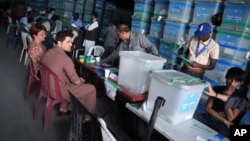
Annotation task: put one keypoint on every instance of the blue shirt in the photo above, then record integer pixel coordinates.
(77, 22)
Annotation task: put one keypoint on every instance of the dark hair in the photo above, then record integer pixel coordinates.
(52, 9)
(76, 14)
(61, 35)
(94, 14)
(236, 73)
(123, 28)
(35, 28)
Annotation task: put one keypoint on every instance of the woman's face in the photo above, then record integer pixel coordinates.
(40, 36)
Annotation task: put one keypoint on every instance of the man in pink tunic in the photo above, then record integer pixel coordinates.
(58, 61)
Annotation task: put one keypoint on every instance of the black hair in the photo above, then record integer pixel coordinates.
(236, 73)
(123, 28)
(52, 9)
(94, 14)
(61, 35)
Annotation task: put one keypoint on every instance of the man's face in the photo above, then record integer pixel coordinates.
(75, 17)
(204, 38)
(121, 35)
(232, 84)
(66, 44)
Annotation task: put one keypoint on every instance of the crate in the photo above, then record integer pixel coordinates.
(181, 92)
(223, 64)
(174, 31)
(67, 15)
(140, 25)
(236, 16)
(86, 16)
(154, 40)
(79, 7)
(166, 50)
(134, 68)
(233, 43)
(67, 5)
(156, 28)
(203, 11)
(161, 8)
(143, 9)
(179, 11)
(237, 1)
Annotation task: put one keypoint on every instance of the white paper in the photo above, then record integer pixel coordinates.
(110, 90)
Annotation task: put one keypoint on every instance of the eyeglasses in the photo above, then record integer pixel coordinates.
(42, 34)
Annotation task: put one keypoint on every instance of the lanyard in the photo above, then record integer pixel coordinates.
(197, 53)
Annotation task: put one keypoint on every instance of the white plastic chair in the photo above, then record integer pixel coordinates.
(106, 134)
(26, 62)
(58, 27)
(96, 51)
(25, 46)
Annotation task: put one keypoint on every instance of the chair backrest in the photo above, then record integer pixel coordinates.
(58, 26)
(24, 36)
(9, 20)
(96, 51)
(12, 30)
(50, 83)
(29, 39)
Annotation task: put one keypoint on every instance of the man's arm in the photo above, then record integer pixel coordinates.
(214, 113)
(210, 66)
(71, 72)
(114, 55)
(145, 43)
(92, 26)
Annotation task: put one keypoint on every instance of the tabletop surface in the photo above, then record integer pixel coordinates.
(189, 130)
(93, 68)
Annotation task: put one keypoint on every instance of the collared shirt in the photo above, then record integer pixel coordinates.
(111, 37)
(50, 16)
(211, 52)
(137, 42)
(77, 22)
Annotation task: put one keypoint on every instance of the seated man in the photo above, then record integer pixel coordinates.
(76, 21)
(131, 42)
(58, 61)
(222, 113)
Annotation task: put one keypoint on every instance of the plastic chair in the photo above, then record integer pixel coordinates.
(57, 28)
(25, 46)
(29, 40)
(31, 82)
(96, 51)
(13, 34)
(50, 89)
